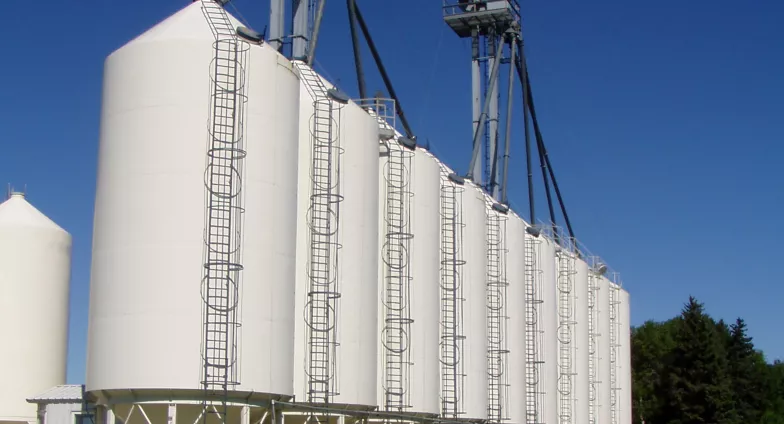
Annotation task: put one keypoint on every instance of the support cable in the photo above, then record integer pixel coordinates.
(382, 70)
(483, 117)
(523, 74)
(507, 134)
(526, 129)
(352, 19)
(492, 187)
(316, 30)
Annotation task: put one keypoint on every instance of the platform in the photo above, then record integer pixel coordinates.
(464, 15)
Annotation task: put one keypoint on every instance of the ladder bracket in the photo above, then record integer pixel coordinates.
(250, 35)
(408, 143)
(338, 96)
(501, 208)
(456, 179)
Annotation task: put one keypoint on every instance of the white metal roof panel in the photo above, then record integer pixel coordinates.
(70, 392)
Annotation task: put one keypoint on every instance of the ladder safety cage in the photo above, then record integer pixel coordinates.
(452, 262)
(323, 292)
(534, 334)
(566, 258)
(222, 253)
(497, 314)
(615, 300)
(395, 255)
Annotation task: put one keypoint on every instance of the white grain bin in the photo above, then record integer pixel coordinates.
(516, 359)
(421, 264)
(475, 305)
(463, 352)
(497, 310)
(353, 375)
(35, 269)
(603, 349)
(580, 336)
(549, 327)
(625, 374)
(145, 325)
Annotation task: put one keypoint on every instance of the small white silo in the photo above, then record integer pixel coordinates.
(35, 267)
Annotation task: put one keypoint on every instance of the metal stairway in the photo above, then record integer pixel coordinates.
(614, 346)
(223, 218)
(496, 316)
(323, 294)
(534, 390)
(397, 279)
(593, 360)
(452, 338)
(566, 271)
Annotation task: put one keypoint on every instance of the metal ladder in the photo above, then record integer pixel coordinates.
(451, 346)
(321, 308)
(566, 270)
(397, 279)
(496, 316)
(533, 334)
(223, 216)
(614, 346)
(593, 288)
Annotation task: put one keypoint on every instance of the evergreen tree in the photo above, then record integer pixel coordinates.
(696, 385)
(692, 369)
(651, 343)
(747, 381)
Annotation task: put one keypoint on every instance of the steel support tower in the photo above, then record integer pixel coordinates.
(323, 292)
(452, 338)
(565, 259)
(497, 316)
(305, 23)
(494, 29)
(222, 269)
(534, 334)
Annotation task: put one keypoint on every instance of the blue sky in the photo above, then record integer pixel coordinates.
(663, 121)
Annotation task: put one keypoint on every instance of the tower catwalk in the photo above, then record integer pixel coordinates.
(452, 373)
(322, 305)
(222, 267)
